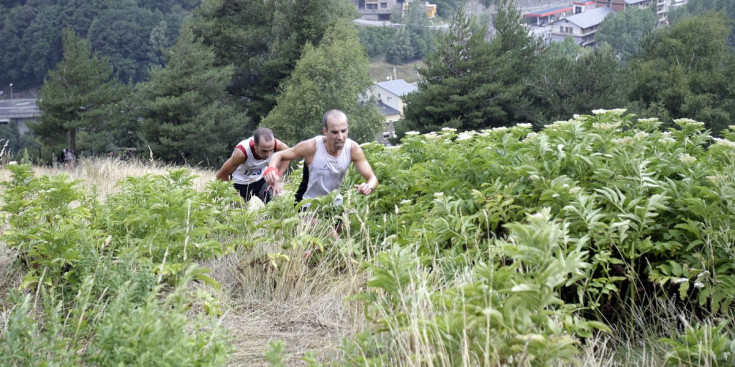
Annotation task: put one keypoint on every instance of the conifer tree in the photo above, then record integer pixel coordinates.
(333, 75)
(470, 83)
(75, 96)
(185, 115)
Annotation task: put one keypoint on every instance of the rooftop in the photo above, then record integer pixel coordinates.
(589, 18)
(549, 11)
(398, 87)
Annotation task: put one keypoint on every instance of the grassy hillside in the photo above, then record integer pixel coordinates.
(604, 240)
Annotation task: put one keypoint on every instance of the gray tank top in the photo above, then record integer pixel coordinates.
(325, 171)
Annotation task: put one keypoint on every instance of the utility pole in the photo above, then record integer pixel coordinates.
(12, 101)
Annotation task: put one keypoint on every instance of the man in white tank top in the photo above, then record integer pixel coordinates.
(326, 161)
(248, 162)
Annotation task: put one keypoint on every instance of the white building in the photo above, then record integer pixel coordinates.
(582, 27)
(389, 95)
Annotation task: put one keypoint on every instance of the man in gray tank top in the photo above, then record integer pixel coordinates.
(326, 161)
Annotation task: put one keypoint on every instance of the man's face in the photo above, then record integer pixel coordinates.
(336, 132)
(264, 149)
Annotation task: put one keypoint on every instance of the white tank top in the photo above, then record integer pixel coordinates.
(326, 172)
(252, 169)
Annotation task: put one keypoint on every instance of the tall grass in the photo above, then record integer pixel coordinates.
(303, 288)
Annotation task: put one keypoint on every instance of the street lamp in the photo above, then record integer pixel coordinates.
(12, 102)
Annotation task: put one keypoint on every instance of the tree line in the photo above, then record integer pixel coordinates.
(476, 81)
(235, 65)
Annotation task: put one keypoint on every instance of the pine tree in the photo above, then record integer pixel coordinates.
(185, 115)
(470, 83)
(333, 75)
(264, 40)
(75, 96)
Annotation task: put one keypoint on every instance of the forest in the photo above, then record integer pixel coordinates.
(175, 79)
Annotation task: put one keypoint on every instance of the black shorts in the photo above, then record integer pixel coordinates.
(257, 188)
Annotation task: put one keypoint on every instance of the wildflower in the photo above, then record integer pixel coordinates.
(615, 111)
(686, 158)
(688, 122)
(680, 280)
(524, 125)
(466, 136)
(575, 190)
(648, 120)
(698, 285)
(449, 129)
(530, 137)
(702, 274)
(624, 141)
(666, 140)
(606, 126)
(641, 135)
(12, 163)
(411, 133)
(500, 129)
(725, 142)
(405, 202)
(438, 194)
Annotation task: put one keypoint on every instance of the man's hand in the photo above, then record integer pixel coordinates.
(272, 176)
(364, 188)
(276, 188)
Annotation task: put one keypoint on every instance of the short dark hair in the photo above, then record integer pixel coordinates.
(329, 114)
(262, 133)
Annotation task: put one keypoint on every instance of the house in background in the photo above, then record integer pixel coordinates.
(581, 27)
(389, 95)
(583, 6)
(375, 9)
(543, 17)
(619, 5)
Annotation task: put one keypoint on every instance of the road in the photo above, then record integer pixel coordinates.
(17, 108)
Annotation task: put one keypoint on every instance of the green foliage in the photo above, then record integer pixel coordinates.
(625, 30)
(264, 41)
(470, 83)
(75, 97)
(569, 79)
(121, 30)
(702, 345)
(124, 36)
(153, 332)
(401, 51)
(684, 71)
(642, 199)
(702, 7)
(186, 117)
(376, 40)
(332, 75)
(508, 310)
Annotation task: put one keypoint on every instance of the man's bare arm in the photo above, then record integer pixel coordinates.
(237, 158)
(304, 149)
(363, 166)
(283, 165)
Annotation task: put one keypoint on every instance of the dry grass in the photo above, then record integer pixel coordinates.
(380, 70)
(299, 301)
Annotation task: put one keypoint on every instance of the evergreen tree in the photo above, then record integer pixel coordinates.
(686, 71)
(625, 30)
(565, 82)
(470, 83)
(401, 51)
(75, 97)
(333, 75)
(186, 117)
(264, 40)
